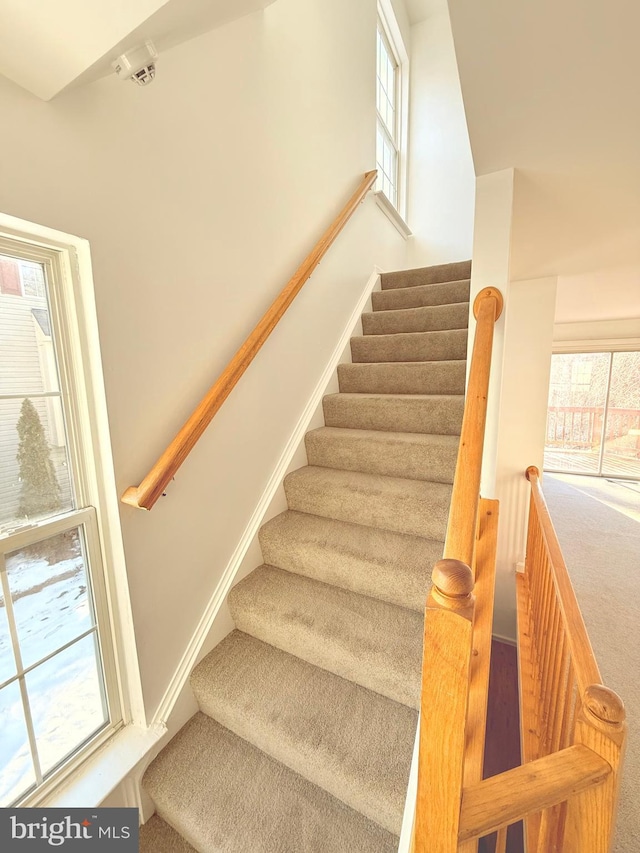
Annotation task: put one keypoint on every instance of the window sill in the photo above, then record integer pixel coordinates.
(97, 777)
(392, 214)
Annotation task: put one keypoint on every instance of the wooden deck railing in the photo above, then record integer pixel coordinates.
(457, 633)
(154, 484)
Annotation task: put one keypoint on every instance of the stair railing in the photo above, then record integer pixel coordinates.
(564, 706)
(457, 630)
(573, 728)
(155, 483)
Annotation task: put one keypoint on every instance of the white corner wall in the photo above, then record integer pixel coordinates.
(200, 195)
(441, 173)
(527, 347)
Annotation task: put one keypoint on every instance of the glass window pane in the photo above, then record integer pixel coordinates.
(49, 590)
(34, 468)
(16, 767)
(622, 441)
(27, 360)
(67, 704)
(575, 417)
(7, 658)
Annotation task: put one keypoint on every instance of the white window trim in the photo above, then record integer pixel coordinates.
(392, 214)
(72, 260)
(391, 29)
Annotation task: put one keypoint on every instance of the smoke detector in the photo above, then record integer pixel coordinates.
(137, 64)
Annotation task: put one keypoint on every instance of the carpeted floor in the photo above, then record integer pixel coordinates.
(598, 525)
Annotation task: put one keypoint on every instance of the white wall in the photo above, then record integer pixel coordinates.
(200, 195)
(528, 340)
(599, 310)
(441, 175)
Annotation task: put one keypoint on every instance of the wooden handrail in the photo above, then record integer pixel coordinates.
(508, 797)
(457, 638)
(461, 530)
(154, 484)
(583, 659)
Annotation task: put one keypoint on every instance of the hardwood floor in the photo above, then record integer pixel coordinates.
(503, 730)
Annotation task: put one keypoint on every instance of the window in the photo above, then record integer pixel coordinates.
(388, 129)
(392, 112)
(593, 418)
(59, 692)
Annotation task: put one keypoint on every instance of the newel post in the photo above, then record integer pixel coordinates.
(448, 633)
(591, 815)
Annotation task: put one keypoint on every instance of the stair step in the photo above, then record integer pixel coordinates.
(426, 275)
(432, 414)
(355, 744)
(432, 318)
(449, 345)
(156, 836)
(403, 377)
(405, 506)
(370, 642)
(393, 567)
(419, 296)
(225, 796)
(412, 455)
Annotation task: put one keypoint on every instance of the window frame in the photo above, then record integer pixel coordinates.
(67, 263)
(389, 28)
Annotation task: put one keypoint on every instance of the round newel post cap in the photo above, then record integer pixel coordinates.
(605, 704)
(532, 471)
(488, 292)
(453, 579)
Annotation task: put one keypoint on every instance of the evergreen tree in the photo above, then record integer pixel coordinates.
(40, 492)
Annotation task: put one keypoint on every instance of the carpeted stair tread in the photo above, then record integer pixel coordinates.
(447, 345)
(432, 318)
(156, 836)
(225, 796)
(403, 377)
(375, 644)
(426, 275)
(310, 705)
(394, 567)
(297, 716)
(406, 506)
(434, 414)
(414, 455)
(421, 296)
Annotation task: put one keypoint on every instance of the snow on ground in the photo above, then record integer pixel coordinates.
(65, 697)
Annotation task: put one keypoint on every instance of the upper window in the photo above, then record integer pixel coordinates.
(58, 682)
(392, 110)
(387, 101)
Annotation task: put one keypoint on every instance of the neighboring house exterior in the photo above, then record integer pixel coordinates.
(27, 370)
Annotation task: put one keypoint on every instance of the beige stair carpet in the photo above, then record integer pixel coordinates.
(308, 709)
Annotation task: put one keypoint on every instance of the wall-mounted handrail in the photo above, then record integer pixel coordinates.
(449, 706)
(154, 484)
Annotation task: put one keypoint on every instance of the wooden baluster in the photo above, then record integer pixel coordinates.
(591, 815)
(551, 674)
(559, 696)
(501, 840)
(448, 635)
(569, 712)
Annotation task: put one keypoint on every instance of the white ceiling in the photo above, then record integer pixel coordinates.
(553, 89)
(48, 45)
(420, 10)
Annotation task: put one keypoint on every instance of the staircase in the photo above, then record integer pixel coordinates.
(308, 709)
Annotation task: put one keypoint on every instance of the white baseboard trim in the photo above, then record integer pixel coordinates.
(190, 656)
